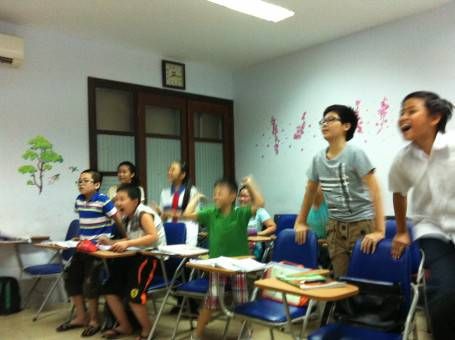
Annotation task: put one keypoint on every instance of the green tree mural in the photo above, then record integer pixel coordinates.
(41, 153)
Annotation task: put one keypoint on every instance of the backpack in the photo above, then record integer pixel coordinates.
(10, 298)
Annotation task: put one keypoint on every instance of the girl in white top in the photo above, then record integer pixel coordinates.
(126, 173)
(176, 198)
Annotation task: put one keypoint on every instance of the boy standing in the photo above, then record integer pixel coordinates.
(350, 188)
(427, 165)
(227, 228)
(82, 275)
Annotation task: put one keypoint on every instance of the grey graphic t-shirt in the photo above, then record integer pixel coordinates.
(348, 198)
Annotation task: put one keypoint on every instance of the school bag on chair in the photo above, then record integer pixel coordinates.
(10, 297)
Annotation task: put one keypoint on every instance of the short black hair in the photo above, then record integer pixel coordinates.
(96, 176)
(132, 168)
(435, 105)
(229, 182)
(347, 115)
(131, 190)
(184, 167)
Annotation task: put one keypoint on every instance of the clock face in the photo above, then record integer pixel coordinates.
(174, 75)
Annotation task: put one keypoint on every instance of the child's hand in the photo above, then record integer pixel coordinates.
(247, 180)
(399, 244)
(104, 240)
(370, 241)
(300, 233)
(120, 246)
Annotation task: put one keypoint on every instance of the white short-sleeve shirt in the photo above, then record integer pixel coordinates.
(432, 178)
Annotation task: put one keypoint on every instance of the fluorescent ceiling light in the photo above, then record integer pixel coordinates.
(257, 8)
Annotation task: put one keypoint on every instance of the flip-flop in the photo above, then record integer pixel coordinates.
(90, 331)
(114, 334)
(67, 325)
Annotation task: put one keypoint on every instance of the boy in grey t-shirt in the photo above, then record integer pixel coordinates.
(350, 188)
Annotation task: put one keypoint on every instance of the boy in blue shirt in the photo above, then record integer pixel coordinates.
(82, 275)
(350, 188)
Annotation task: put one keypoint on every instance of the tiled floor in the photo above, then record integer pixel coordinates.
(20, 327)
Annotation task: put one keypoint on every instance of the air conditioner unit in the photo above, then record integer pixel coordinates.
(11, 50)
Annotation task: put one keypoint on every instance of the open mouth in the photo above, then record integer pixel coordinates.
(405, 127)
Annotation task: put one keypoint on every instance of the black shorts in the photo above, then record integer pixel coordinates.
(130, 276)
(82, 276)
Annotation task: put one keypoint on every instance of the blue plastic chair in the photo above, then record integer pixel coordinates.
(284, 221)
(277, 314)
(383, 273)
(51, 269)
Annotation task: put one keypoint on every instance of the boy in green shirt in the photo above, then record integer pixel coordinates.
(228, 236)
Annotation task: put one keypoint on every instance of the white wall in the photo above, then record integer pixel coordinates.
(416, 53)
(48, 96)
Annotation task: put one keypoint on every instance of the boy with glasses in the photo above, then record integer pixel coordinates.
(82, 275)
(350, 188)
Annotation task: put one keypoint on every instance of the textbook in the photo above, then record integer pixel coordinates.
(229, 263)
(182, 249)
(310, 281)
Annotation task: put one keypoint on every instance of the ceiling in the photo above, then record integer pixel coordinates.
(197, 30)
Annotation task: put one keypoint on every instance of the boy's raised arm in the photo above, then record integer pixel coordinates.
(300, 226)
(190, 211)
(256, 195)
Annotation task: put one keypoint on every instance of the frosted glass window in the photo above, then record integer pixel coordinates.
(162, 120)
(113, 149)
(160, 153)
(209, 166)
(208, 126)
(114, 110)
(108, 181)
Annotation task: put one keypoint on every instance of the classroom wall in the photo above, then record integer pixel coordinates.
(278, 103)
(47, 96)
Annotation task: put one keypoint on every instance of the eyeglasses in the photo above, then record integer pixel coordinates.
(329, 120)
(83, 181)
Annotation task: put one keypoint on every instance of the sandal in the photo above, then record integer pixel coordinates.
(67, 325)
(90, 330)
(114, 334)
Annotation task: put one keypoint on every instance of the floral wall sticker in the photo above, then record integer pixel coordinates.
(383, 113)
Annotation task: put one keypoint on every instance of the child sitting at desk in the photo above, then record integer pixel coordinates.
(82, 275)
(228, 236)
(132, 275)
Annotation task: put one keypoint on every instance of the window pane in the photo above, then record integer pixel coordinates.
(208, 126)
(114, 110)
(114, 149)
(162, 120)
(108, 181)
(209, 166)
(160, 153)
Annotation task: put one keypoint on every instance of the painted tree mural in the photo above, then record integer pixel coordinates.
(42, 155)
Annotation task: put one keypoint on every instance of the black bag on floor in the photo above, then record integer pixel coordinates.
(10, 297)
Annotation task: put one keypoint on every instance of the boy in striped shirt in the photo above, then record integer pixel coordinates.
(96, 212)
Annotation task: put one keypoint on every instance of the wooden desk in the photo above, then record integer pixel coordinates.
(318, 294)
(107, 254)
(16, 243)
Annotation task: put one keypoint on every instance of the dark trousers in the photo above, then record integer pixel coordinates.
(440, 261)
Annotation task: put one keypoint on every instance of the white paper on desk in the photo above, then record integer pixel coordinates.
(108, 247)
(62, 244)
(229, 263)
(182, 249)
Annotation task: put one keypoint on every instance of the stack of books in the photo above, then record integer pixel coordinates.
(310, 280)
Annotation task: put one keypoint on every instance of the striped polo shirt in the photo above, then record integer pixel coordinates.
(95, 215)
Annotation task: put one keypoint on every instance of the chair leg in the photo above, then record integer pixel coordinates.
(28, 296)
(241, 330)
(226, 327)
(272, 336)
(179, 315)
(48, 295)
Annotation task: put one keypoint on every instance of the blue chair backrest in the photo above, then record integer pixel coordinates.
(286, 249)
(175, 232)
(391, 230)
(73, 231)
(284, 221)
(380, 266)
